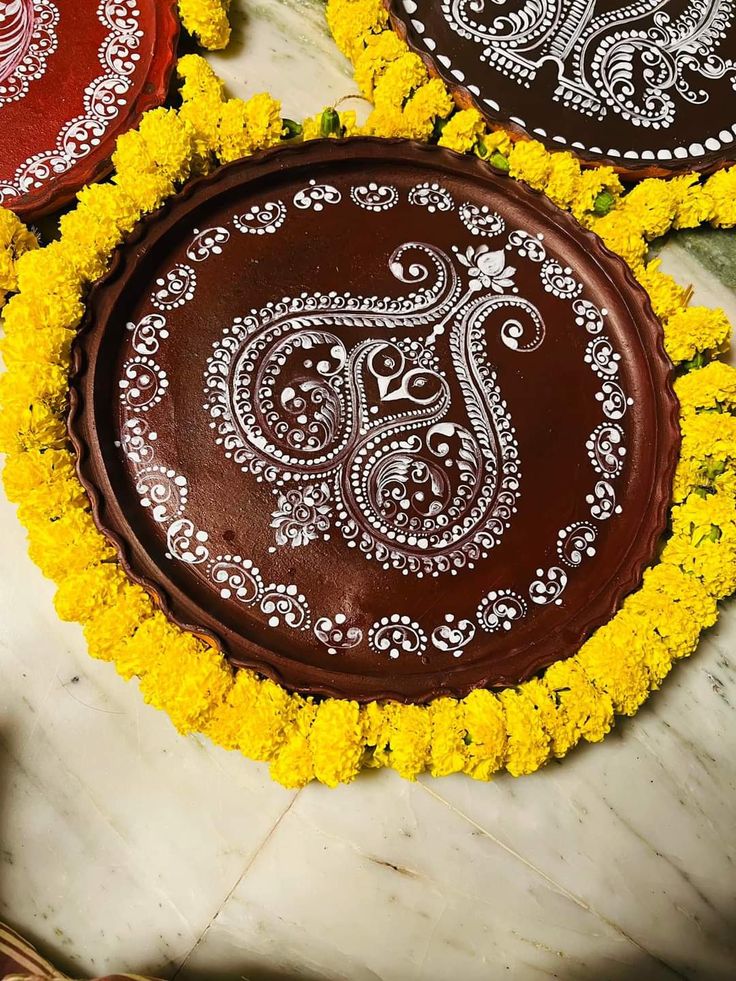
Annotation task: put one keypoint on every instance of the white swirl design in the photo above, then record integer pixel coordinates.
(337, 635)
(549, 587)
(316, 196)
(148, 334)
(207, 243)
(397, 635)
(374, 197)
(500, 610)
(103, 100)
(27, 41)
(453, 636)
(175, 289)
(261, 219)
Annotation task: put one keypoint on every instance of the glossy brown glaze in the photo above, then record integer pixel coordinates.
(645, 87)
(81, 73)
(389, 390)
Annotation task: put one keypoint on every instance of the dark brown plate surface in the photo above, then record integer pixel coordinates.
(647, 87)
(378, 420)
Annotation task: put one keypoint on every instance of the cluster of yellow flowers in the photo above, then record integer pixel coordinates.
(332, 739)
(207, 20)
(15, 239)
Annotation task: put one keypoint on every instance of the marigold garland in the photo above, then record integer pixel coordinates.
(207, 20)
(332, 739)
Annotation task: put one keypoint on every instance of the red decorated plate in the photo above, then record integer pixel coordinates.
(376, 419)
(74, 75)
(647, 87)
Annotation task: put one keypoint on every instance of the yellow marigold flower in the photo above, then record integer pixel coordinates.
(463, 130)
(380, 50)
(67, 545)
(108, 204)
(150, 190)
(198, 79)
(248, 126)
(721, 187)
(693, 203)
(268, 721)
(135, 655)
(401, 78)
(405, 739)
(29, 382)
(48, 270)
(224, 723)
(351, 20)
(430, 102)
(651, 204)
(336, 741)
(448, 748)
(666, 294)
(621, 234)
(682, 590)
(108, 629)
(372, 720)
(35, 470)
(563, 183)
(41, 347)
(30, 427)
(293, 766)
(203, 115)
(186, 679)
(497, 141)
(614, 662)
(712, 562)
(51, 501)
(168, 140)
(88, 242)
(208, 21)
(485, 724)
(696, 329)
(553, 717)
(711, 387)
(709, 440)
(528, 744)
(387, 121)
(83, 594)
(588, 712)
(593, 182)
(15, 241)
(530, 162)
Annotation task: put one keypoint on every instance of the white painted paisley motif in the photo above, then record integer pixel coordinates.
(397, 635)
(316, 196)
(337, 635)
(207, 243)
(411, 490)
(500, 610)
(261, 219)
(375, 197)
(453, 636)
(639, 60)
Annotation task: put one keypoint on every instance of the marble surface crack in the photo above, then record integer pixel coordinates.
(557, 885)
(235, 885)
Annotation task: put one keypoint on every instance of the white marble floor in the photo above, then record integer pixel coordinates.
(125, 846)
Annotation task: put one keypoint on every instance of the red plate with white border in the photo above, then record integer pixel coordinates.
(74, 75)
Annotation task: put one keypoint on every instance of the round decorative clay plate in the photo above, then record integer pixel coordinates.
(647, 87)
(74, 75)
(379, 421)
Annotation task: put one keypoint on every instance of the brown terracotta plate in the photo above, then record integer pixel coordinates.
(647, 87)
(378, 420)
(74, 75)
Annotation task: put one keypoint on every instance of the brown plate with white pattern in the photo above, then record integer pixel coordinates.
(646, 87)
(377, 420)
